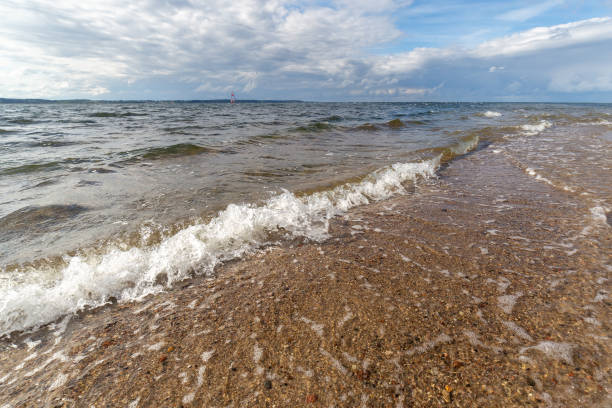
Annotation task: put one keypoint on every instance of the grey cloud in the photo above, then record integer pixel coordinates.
(65, 48)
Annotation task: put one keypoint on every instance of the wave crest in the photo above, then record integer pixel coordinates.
(130, 274)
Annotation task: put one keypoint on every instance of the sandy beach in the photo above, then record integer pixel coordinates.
(453, 295)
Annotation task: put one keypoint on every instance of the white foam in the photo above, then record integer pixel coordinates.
(492, 114)
(506, 302)
(130, 274)
(538, 177)
(156, 346)
(188, 398)
(475, 341)
(316, 327)
(348, 316)
(59, 381)
(599, 215)
(428, 345)
(335, 362)
(200, 378)
(134, 404)
(558, 351)
(518, 330)
(532, 130)
(207, 355)
(257, 353)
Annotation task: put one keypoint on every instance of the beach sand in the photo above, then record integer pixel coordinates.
(484, 287)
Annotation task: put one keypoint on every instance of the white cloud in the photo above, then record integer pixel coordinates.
(580, 78)
(526, 13)
(98, 90)
(84, 42)
(418, 91)
(373, 6)
(531, 42)
(70, 48)
(413, 60)
(542, 38)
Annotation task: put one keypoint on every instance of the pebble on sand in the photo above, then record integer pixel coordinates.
(311, 398)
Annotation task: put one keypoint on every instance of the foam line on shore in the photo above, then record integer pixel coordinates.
(131, 274)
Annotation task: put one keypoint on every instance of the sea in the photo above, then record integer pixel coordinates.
(113, 201)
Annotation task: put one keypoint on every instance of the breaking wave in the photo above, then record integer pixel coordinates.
(532, 130)
(132, 273)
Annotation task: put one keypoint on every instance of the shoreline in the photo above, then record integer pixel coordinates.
(462, 293)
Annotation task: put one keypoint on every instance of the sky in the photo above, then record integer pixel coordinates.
(334, 50)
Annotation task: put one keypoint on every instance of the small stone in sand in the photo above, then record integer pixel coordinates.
(310, 398)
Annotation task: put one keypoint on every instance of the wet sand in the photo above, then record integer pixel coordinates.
(484, 287)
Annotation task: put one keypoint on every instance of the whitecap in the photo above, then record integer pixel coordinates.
(532, 130)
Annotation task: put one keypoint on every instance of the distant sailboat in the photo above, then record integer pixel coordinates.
(233, 98)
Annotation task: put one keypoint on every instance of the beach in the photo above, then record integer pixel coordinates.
(289, 203)
(481, 286)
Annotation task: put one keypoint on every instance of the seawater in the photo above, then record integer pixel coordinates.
(120, 200)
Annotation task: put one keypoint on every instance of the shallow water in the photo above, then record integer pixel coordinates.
(121, 200)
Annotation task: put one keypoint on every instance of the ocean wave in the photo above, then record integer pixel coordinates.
(367, 127)
(183, 129)
(78, 121)
(41, 167)
(30, 168)
(491, 114)
(53, 143)
(181, 149)
(315, 127)
(275, 138)
(38, 217)
(132, 273)
(114, 114)
(603, 122)
(22, 121)
(532, 130)
(395, 124)
(165, 152)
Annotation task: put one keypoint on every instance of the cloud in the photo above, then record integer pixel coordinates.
(542, 38)
(581, 77)
(98, 90)
(275, 48)
(369, 6)
(206, 39)
(528, 42)
(529, 12)
(400, 91)
(539, 53)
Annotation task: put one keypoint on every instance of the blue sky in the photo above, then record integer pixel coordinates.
(335, 50)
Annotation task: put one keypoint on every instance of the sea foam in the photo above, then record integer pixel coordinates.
(131, 274)
(532, 130)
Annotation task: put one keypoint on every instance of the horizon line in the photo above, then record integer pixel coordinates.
(228, 100)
